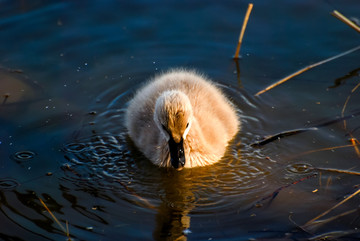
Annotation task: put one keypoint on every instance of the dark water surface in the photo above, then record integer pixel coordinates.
(69, 68)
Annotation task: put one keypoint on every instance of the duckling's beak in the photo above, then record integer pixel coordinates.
(177, 155)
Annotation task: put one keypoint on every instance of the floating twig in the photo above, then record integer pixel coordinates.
(346, 102)
(355, 144)
(277, 136)
(322, 149)
(317, 224)
(328, 183)
(66, 231)
(336, 170)
(250, 6)
(329, 210)
(346, 20)
(334, 235)
(353, 140)
(279, 82)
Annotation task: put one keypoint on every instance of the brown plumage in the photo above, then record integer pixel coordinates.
(181, 119)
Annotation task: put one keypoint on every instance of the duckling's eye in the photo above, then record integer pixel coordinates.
(187, 125)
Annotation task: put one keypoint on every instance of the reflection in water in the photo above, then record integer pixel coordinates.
(25, 210)
(103, 160)
(341, 80)
(178, 199)
(17, 89)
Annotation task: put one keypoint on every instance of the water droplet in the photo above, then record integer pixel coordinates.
(75, 147)
(23, 155)
(299, 168)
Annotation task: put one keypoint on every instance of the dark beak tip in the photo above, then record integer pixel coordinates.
(177, 155)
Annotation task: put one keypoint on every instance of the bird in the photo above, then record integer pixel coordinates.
(181, 119)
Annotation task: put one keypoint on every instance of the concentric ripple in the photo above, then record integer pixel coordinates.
(8, 184)
(109, 157)
(23, 156)
(299, 168)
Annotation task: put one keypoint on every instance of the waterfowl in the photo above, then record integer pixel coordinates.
(181, 119)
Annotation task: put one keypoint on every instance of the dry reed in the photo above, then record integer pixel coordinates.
(332, 208)
(66, 231)
(346, 102)
(279, 82)
(336, 170)
(323, 149)
(246, 19)
(317, 224)
(346, 20)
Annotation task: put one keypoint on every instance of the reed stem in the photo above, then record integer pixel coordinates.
(246, 19)
(279, 82)
(345, 20)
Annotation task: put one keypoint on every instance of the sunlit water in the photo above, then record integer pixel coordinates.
(69, 70)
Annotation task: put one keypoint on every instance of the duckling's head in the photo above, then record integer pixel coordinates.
(173, 116)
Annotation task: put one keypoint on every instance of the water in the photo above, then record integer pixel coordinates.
(70, 68)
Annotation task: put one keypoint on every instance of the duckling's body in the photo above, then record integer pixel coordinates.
(180, 119)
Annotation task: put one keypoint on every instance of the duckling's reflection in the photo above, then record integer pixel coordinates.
(178, 199)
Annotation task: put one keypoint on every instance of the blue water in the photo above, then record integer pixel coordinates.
(68, 70)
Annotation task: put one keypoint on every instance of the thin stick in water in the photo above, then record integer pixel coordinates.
(346, 20)
(322, 149)
(355, 143)
(317, 224)
(279, 82)
(55, 219)
(329, 210)
(250, 6)
(346, 102)
(336, 170)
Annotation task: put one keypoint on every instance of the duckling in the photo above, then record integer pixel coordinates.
(181, 119)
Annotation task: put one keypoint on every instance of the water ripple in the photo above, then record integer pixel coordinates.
(23, 156)
(8, 183)
(111, 160)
